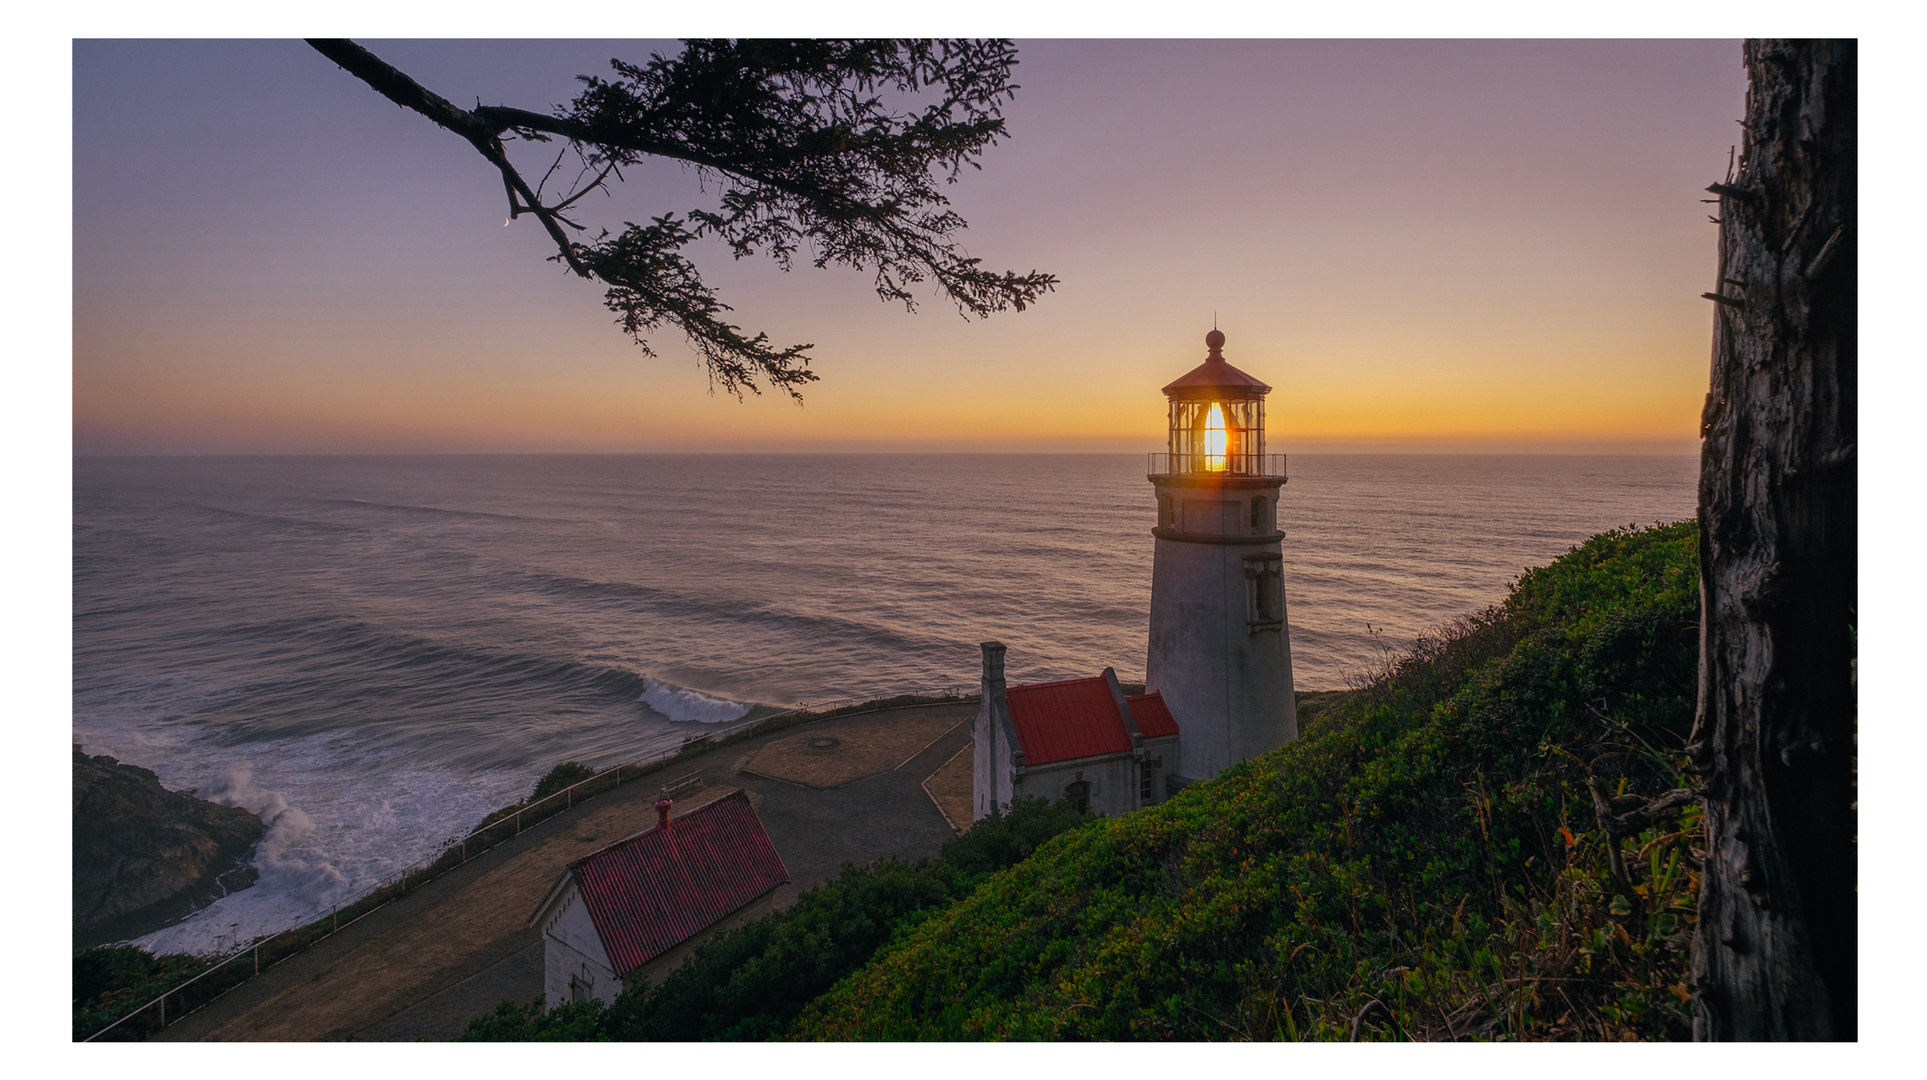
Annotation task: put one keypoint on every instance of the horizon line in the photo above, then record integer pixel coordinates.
(1356, 450)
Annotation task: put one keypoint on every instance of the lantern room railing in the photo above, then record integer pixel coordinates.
(1262, 466)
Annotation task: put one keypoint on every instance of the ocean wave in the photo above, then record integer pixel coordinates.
(680, 704)
(693, 607)
(391, 658)
(429, 511)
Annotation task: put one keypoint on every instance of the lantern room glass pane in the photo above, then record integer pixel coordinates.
(1217, 436)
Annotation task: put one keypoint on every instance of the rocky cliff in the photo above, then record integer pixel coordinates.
(145, 856)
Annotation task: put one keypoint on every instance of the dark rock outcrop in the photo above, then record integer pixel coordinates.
(145, 856)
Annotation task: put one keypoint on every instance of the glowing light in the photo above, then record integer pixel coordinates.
(1214, 441)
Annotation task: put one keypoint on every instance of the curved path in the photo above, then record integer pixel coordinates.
(847, 789)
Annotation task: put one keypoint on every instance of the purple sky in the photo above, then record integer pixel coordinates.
(1416, 242)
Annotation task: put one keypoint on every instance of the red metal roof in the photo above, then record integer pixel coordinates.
(1152, 715)
(653, 891)
(1063, 720)
(1216, 374)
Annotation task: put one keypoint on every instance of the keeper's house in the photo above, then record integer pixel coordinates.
(1082, 739)
(631, 911)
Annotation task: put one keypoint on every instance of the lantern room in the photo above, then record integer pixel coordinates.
(1217, 418)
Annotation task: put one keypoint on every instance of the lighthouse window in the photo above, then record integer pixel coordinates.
(1079, 794)
(1144, 783)
(1258, 514)
(1264, 586)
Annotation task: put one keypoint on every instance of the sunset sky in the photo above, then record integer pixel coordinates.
(1418, 244)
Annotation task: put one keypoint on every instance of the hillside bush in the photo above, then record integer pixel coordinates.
(567, 774)
(112, 980)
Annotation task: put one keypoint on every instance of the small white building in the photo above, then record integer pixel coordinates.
(631, 910)
(1082, 739)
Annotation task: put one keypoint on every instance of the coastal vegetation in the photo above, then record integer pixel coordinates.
(112, 980)
(562, 776)
(1490, 837)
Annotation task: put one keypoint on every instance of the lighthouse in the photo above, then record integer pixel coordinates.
(1220, 650)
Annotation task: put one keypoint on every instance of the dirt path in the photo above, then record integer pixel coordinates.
(953, 786)
(424, 965)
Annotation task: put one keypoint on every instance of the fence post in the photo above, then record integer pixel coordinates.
(163, 1010)
(257, 957)
(335, 913)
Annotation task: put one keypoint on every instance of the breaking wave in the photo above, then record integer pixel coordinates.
(684, 705)
(297, 882)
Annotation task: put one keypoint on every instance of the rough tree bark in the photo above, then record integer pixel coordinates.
(1774, 740)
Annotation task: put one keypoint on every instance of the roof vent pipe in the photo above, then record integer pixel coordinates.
(662, 814)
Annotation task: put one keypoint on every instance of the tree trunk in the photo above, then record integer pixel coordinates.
(1776, 950)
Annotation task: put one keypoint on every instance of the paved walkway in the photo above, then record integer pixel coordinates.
(423, 966)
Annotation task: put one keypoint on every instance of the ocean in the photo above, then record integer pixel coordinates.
(374, 652)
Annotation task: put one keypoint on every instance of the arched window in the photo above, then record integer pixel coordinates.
(1079, 793)
(1264, 590)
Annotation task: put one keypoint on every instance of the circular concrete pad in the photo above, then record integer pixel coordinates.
(858, 746)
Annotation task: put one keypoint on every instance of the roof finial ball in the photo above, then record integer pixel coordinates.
(1214, 341)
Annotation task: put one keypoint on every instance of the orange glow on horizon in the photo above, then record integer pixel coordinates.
(1543, 286)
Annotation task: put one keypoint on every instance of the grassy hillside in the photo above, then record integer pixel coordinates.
(1440, 856)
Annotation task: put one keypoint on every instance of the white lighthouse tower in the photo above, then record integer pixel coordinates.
(1220, 646)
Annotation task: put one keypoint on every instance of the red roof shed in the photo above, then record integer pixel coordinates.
(653, 891)
(1078, 718)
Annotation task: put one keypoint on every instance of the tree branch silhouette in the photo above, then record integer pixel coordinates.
(840, 148)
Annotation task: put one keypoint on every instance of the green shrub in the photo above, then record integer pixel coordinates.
(567, 774)
(113, 980)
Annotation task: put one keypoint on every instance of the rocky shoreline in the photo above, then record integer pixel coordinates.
(146, 857)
